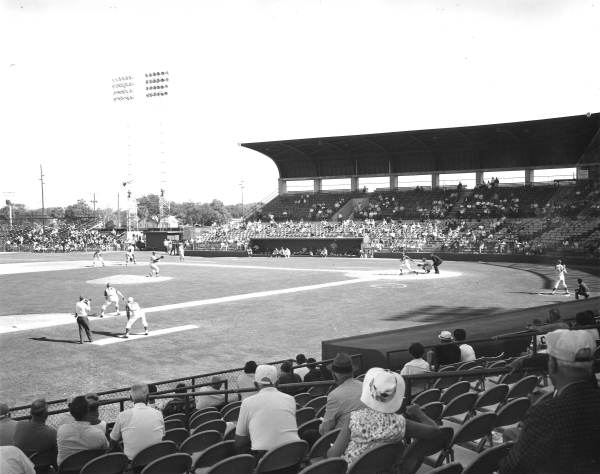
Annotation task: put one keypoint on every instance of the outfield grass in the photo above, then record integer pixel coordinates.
(49, 362)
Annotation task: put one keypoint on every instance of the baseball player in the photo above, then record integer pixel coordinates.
(98, 257)
(561, 270)
(130, 255)
(111, 296)
(154, 270)
(405, 262)
(134, 312)
(581, 290)
(181, 251)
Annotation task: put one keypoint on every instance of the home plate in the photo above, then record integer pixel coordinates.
(133, 337)
(127, 280)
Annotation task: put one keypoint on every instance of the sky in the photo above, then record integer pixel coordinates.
(258, 70)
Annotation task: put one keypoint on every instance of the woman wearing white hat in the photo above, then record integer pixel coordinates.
(379, 422)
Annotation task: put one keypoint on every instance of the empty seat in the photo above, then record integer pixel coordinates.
(177, 435)
(461, 405)
(177, 463)
(111, 463)
(491, 397)
(428, 396)
(212, 455)
(304, 414)
(454, 390)
(218, 425)
(430, 451)
(231, 405)
(149, 454)
(327, 466)
(512, 412)
(489, 460)
(433, 410)
(240, 464)
(174, 423)
(523, 387)
(200, 441)
(72, 464)
(232, 414)
(203, 418)
(282, 457)
(302, 398)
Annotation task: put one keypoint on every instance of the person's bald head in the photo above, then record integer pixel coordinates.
(139, 393)
(39, 410)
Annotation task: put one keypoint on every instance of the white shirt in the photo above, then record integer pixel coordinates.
(246, 381)
(302, 371)
(14, 461)
(206, 401)
(78, 436)
(269, 418)
(82, 308)
(140, 427)
(467, 353)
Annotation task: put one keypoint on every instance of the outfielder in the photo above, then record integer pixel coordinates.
(134, 312)
(111, 296)
(561, 270)
(154, 270)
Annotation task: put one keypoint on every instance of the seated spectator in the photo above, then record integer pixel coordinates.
(561, 434)
(378, 421)
(287, 376)
(467, 353)
(586, 318)
(7, 426)
(138, 427)
(214, 400)
(345, 397)
(444, 353)
(417, 365)
(78, 435)
(301, 371)
(314, 371)
(267, 419)
(14, 461)
(34, 435)
(554, 321)
(178, 404)
(93, 414)
(246, 380)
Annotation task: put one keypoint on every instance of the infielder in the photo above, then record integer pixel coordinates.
(98, 258)
(561, 270)
(154, 270)
(111, 296)
(134, 312)
(130, 255)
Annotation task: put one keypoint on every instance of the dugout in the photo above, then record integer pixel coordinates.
(155, 238)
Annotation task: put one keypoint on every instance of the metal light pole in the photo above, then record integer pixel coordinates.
(242, 190)
(43, 207)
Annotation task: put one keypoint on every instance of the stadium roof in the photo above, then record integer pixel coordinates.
(551, 143)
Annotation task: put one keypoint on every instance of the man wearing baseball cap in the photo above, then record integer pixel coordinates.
(446, 352)
(562, 434)
(267, 419)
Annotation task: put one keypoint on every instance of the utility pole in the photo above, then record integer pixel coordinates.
(43, 207)
(242, 189)
(119, 210)
(93, 201)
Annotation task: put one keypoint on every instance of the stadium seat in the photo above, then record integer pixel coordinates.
(149, 454)
(428, 396)
(380, 458)
(304, 414)
(177, 435)
(321, 412)
(302, 398)
(433, 410)
(489, 460)
(461, 405)
(202, 410)
(430, 451)
(442, 383)
(474, 430)
(512, 412)
(453, 391)
(493, 396)
(171, 424)
(240, 464)
(218, 425)
(543, 398)
(523, 387)
(212, 455)
(232, 414)
(177, 463)
(44, 460)
(451, 468)
(204, 417)
(176, 416)
(200, 441)
(73, 463)
(111, 463)
(327, 466)
(230, 405)
(321, 446)
(317, 403)
(282, 457)
(309, 425)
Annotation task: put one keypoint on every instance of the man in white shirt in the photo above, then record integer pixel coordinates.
(467, 353)
(301, 371)
(215, 400)
(267, 419)
(14, 461)
(140, 426)
(82, 307)
(416, 366)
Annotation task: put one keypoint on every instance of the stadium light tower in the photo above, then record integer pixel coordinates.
(8, 195)
(43, 207)
(242, 190)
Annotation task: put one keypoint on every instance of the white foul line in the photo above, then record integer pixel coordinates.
(133, 337)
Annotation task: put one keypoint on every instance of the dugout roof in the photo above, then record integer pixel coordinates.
(551, 143)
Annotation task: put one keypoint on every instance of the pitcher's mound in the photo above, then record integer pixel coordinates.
(127, 280)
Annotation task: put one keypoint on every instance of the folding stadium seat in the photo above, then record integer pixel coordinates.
(302, 398)
(471, 434)
(451, 468)
(204, 417)
(174, 423)
(460, 405)
(212, 455)
(428, 396)
(327, 466)
(232, 414)
(176, 416)
(177, 435)
(510, 414)
(240, 464)
(304, 414)
(320, 447)
(73, 463)
(198, 442)
(433, 410)
(177, 463)
(309, 425)
(454, 390)
(44, 460)
(430, 451)
(230, 405)
(111, 463)
(151, 453)
(218, 425)
(317, 403)
(380, 458)
(491, 398)
(283, 457)
(321, 412)
(489, 460)
(523, 387)
(442, 383)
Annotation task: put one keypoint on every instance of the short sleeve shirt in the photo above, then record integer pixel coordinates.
(140, 427)
(78, 436)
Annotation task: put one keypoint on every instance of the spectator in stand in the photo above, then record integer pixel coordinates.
(314, 371)
(416, 366)
(79, 435)
(178, 403)
(14, 461)
(34, 435)
(94, 414)
(138, 427)
(157, 403)
(301, 371)
(267, 419)
(345, 397)
(581, 290)
(246, 380)
(467, 353)
(586, 318)
(7, 426)
(214, 400)
(447, 352)
(288, 376)
(554, 321)
(561, 434)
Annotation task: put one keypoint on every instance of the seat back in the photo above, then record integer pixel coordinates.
(446, 382)
(454, 391)
(302, 398)
(177, 463)
(416, 452)
(309, 425)
(215, 453)
(176, 416)
(240, 464)
(171, 424)
(217, 425)
(111, 463)
(493, 395)
(304, 414)
(428, 396)
(74, 462)
(231, 405)
(523, 387)
(380, 458)
(476, 428)
(319, 449)
(149, 454)
(452, 468)
(200, 441)
(468, 365)
(44, 459)
(510, 378)
(433, 410)
(497, 364)
(204, 417)
(475, 377)
(488, 460)
(317, 403)
(321, 412)
(177, 435)
(512, 412)
(232, 414)
(284, 456)
(327, 466)
(460, 405)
